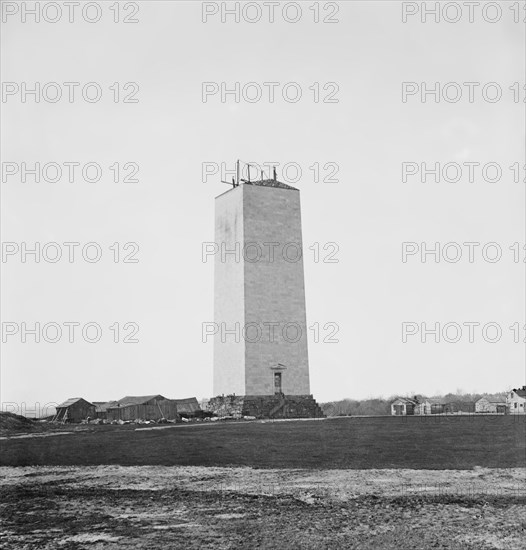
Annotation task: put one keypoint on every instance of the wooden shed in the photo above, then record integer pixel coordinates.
(144, 407)
(101, 408)
(188, 407)
(74, 409)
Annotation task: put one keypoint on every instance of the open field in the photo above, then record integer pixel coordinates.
(455, 442)
(352, 483)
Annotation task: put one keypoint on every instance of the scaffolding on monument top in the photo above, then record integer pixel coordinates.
(241, 166)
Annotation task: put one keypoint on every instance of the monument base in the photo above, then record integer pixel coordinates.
(265, 406)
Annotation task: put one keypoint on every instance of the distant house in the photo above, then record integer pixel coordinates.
(420, 405)
(428, 405)
(74, 409)
(150, 407)
(516, 401)
(417, 405)
(491, 404)
(403, 406)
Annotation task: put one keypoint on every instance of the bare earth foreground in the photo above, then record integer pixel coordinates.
(118, 500)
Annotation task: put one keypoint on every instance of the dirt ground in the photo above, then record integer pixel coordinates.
(147, 507)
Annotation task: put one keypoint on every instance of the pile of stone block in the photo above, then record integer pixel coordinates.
(265, 406)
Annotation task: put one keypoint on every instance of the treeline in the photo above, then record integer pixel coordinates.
(379, 406)
(352, 407)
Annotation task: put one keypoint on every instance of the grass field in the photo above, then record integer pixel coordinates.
(439, 442)
(355, 483)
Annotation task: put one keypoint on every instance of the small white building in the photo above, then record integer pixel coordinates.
(491, 404)
(516, 401)
(417, 405)
(403, 406)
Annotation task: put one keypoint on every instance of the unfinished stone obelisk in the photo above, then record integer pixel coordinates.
(260, 345)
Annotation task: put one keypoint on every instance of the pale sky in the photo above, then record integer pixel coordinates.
(369, 212)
